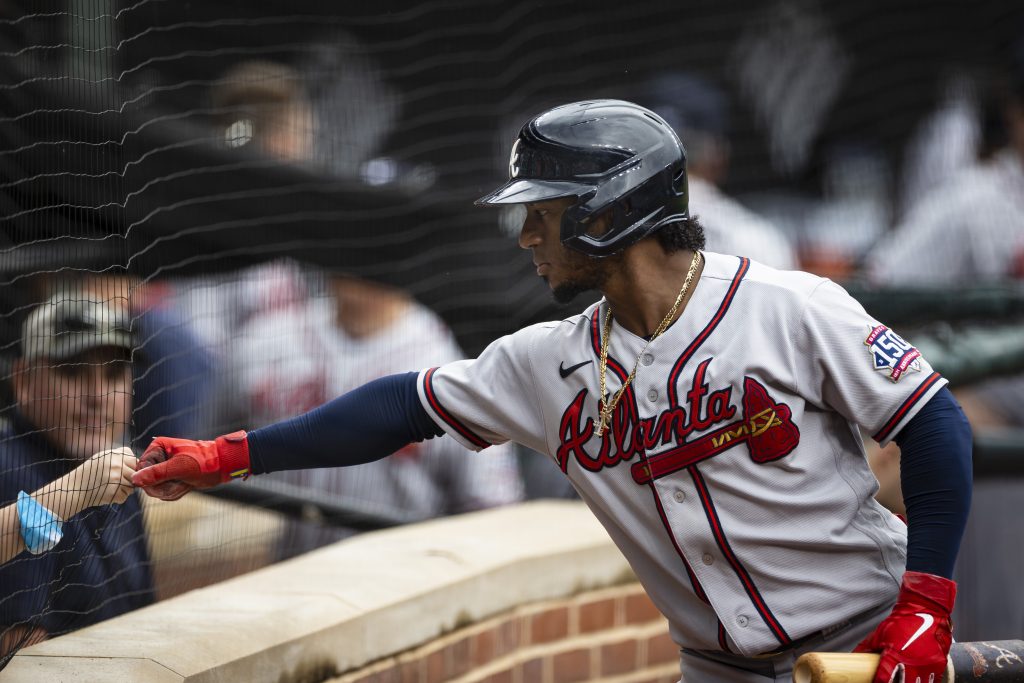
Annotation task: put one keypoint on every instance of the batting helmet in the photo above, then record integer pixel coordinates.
(609, 154)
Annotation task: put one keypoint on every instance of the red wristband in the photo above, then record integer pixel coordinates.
(233, 456)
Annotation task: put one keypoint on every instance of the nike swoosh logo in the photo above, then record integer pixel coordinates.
(565, 372)
(926, 623)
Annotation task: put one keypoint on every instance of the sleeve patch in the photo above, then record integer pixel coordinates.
(891, 354)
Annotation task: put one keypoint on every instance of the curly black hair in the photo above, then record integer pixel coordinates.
(686, 235)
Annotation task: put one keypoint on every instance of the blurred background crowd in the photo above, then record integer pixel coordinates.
(246, 209)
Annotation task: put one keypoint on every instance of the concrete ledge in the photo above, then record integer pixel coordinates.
(343, 606)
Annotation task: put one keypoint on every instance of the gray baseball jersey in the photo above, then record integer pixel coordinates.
(733, 477)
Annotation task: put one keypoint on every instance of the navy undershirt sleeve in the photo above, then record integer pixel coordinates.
(361, 426)
(936, 477)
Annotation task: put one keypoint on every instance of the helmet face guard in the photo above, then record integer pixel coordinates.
(611, 155)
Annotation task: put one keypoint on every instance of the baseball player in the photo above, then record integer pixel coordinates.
(706, 409)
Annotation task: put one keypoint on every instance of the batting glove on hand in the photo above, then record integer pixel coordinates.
(170, 468)
(915, 638)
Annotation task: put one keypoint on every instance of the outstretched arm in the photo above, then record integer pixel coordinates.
(364, 425)
(361, 426)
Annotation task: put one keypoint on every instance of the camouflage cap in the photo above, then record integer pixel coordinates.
(65, 327)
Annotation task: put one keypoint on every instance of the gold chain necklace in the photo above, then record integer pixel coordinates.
(607, 407)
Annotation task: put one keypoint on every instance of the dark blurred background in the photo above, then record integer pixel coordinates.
(107, 113)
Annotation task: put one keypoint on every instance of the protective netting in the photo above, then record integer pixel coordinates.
(233, 211)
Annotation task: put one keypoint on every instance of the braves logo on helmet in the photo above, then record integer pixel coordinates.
(513, 160)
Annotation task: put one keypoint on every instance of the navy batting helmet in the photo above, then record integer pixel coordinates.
(611, 155)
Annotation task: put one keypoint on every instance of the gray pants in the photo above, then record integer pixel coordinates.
(704, 666)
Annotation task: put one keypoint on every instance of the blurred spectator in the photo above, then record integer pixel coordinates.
(329, 114)
(172, 373)
(698, 111)
(290, 361)
(261, 106)
(72, 385)
(947, 140)
(219, 304)
(264, 104)
(174, 386)
(856, 208)
(968, 231)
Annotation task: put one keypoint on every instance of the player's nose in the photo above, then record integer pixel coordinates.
(529, 235)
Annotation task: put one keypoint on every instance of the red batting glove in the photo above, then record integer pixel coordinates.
(170, 468)
(915, 637)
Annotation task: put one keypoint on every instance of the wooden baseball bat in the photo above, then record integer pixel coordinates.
(996, 661)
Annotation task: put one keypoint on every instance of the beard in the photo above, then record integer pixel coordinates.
(589, 273)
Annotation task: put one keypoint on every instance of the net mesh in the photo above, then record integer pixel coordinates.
(277, 198)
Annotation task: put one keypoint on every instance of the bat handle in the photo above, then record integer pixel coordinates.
(844, 667)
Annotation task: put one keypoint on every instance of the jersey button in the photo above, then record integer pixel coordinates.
(652, 395)
(708, 559)
(679, 496)
(647, 359)
(742, 620)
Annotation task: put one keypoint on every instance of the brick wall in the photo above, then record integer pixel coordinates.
(612, 635)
